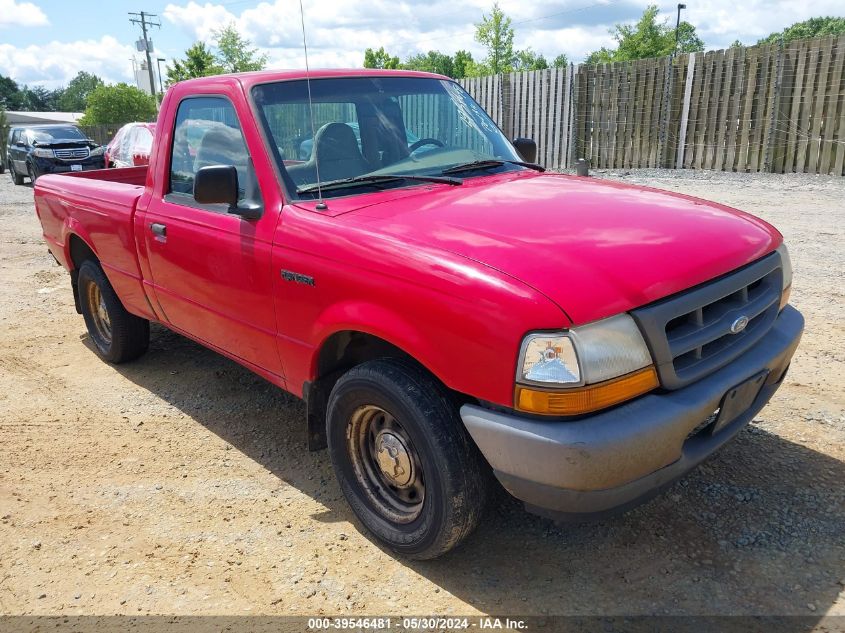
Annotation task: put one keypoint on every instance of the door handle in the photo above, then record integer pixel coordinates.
(159, 230)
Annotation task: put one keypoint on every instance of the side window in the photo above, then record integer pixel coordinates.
(207, 133)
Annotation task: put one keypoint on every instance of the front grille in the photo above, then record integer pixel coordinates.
(69, 154)
(690, 334)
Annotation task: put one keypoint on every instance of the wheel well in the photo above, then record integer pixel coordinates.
(339, 353)
(79, 253)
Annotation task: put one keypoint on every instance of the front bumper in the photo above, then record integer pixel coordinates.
(59, 166)
(614, 460)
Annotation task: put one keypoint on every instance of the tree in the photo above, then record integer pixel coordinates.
(39, 99)
(495, 33)
(118, 104)
(379, 59)
(198, 62)
(736, 44)
(235, 53)
(814, 27)
(529, 60)
(561, 61)
(647, 38)
(10, 94)
(4, 133)
(461, 62)
(75, 96)
(432, 62)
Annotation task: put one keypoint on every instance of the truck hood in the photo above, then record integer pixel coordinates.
(596, 248)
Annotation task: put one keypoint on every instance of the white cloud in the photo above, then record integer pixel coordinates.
(53, 64)
(199, 21)
(21, 14)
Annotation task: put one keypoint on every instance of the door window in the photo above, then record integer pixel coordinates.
(207, 133)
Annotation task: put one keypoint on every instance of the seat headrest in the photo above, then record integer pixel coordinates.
(336, 141)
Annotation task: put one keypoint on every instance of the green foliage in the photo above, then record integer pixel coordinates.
(460, 62)
(10, 94)
(736, 44)
(199, 62)
(75, 96)
(4, 132)
(235, 53)
(379, 59)
(456, 67)
(118, 104)
(432, 62)
(561, 61)
(647, 38)
(814, 27)
(495, 33)
(40, 99)
(529, 60)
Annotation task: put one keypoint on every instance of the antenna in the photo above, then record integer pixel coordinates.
(321, 205)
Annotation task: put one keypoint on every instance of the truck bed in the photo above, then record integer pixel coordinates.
(99, 206)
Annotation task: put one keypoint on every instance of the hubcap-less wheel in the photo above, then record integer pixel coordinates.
(99, 313)
(384, 461)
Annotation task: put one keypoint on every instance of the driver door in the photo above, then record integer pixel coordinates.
(211, 269)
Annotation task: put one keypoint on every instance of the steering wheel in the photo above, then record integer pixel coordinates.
(425, 141)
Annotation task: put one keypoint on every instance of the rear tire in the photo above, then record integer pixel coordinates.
(118, 336)
(403, 459)
(16, 177)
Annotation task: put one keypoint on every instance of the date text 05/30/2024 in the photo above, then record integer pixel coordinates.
(417, 624)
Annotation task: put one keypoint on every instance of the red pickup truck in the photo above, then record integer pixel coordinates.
(371, 242)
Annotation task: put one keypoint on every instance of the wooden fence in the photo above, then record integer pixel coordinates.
(778, 108)
(102, 134)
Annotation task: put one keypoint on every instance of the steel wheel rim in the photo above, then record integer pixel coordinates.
(99, 314)
(386, 464)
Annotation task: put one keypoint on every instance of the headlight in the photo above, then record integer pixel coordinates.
(96, 151)
(584, 369)
(786, 265)
(42, 153)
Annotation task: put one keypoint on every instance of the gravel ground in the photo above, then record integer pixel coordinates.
(180, 483)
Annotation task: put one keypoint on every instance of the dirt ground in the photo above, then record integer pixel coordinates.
(180, 484)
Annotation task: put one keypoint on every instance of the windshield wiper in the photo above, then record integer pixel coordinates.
(488, 163)
(375, 179)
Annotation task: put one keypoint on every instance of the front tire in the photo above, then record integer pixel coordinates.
(403, 459)
(118, 336)
(33, 175)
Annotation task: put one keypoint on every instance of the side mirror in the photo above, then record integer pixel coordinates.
(217, 184)
(527, 148)
(20, 143)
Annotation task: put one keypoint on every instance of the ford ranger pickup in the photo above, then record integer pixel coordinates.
(451, 314)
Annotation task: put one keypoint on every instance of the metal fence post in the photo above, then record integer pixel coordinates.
(682, 133)
(664, 112)
(775, 113)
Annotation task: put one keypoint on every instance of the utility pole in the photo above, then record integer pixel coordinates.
(144, 20)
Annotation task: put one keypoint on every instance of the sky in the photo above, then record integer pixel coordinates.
(46, 42)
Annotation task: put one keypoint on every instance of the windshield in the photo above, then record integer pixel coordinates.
(376, 126)
(46, 134)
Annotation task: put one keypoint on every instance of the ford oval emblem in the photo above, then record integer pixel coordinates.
(739, 325)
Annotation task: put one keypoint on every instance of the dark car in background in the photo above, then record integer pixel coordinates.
(131, 146)
(34, 150)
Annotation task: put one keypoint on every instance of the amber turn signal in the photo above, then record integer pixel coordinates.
(586, 399)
